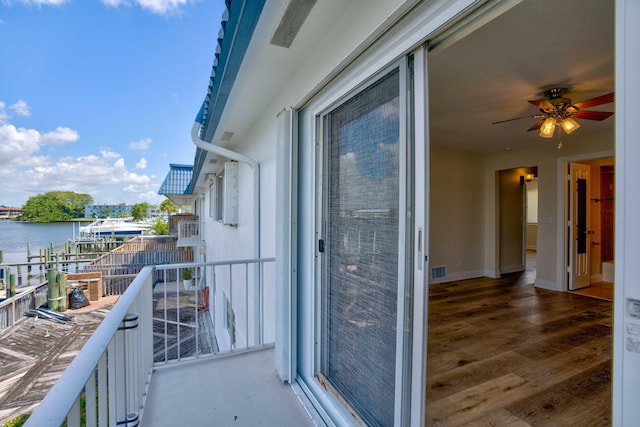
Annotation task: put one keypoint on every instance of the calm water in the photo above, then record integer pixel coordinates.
(14, 237)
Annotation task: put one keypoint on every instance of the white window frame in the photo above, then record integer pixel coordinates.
(223, 194)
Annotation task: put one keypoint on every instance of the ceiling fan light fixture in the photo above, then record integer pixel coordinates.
(569, 125)
(548, 127)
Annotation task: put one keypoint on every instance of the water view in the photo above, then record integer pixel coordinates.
(14, 237)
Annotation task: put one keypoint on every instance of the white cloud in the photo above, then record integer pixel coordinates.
(25, 170)
(160, 7)
(108, 153)
(62, 135)
(84, 174)
(132, 188)
(142, 144)
(21, 108)
(151, 197)
(122, 176)
(142, 163)
(17, 143)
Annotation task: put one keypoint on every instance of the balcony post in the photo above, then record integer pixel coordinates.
(125, 372)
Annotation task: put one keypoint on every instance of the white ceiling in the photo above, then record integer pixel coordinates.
(490, 74)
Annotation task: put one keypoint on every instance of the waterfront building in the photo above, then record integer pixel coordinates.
(104, 211)
(7, 212)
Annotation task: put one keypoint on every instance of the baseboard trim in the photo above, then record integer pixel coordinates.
(494, 274)
(547, 284)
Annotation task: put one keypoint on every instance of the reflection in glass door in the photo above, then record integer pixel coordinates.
(363, 220)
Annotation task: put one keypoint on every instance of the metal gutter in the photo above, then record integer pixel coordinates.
(255, 167)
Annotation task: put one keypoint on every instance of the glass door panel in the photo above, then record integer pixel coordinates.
(362, 223)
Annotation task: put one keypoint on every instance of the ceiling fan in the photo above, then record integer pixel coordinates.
(559, 110)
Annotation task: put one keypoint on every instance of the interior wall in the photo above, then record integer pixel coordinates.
(456, 231)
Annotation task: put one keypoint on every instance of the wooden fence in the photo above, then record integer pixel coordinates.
(121, 265)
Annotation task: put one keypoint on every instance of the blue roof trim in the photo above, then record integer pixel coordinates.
(178, 180)
(239, 21)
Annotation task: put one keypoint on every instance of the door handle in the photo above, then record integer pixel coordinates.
(420, 261)
(594, 244)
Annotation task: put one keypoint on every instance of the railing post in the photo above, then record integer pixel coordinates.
(125, 372)
(102, 391)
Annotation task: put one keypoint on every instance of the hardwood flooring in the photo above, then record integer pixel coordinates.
(602, 290)
(504, 353)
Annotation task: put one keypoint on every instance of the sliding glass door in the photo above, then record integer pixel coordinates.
(366, 246)
(362, 228)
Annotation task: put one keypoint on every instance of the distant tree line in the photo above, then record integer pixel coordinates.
(66, 205)
(55, 206)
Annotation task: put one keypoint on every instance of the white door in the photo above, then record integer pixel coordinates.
(579, 241)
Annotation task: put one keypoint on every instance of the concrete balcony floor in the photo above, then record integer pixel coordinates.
(236, 390)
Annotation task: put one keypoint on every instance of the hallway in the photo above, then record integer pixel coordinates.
(502, 352)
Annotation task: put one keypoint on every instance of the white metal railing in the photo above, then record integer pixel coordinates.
(30, 297)
(111, 374)
(227, 307)
(189, 233)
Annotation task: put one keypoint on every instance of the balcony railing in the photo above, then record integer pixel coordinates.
(225, 307)
(189, 233)
(12, 309)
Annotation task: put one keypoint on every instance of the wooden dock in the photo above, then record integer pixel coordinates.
(33, 355)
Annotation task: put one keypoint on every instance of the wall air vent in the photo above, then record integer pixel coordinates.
(294, 16)
(439, 272)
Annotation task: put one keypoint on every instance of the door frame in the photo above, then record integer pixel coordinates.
(563, 211)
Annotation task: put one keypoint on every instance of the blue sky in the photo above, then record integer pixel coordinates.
(98, 96)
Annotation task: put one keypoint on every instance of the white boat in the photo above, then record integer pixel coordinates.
(114, 227)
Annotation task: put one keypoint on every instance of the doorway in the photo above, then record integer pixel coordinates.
(597, 239)
(518, 221)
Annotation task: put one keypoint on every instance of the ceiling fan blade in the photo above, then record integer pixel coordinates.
(535, 116)
(536, 126)
(543, 104)
(604, 99)
(592, 115)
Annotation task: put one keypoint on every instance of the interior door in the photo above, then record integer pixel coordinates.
(579, 241)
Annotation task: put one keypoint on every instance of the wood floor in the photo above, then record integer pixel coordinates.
(503, 353)
(602, 290)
